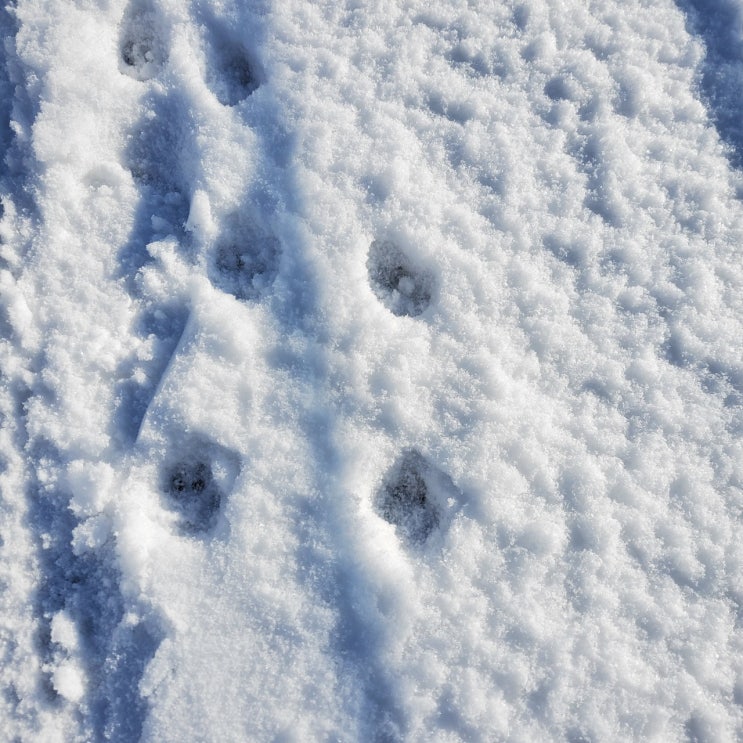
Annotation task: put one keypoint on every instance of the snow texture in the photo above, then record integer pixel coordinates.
(371, 371)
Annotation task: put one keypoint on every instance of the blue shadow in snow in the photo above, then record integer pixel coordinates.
(719, 23)
(166, 324)
(17, 110)
(86, 586)
(7, 29)
(153, 156)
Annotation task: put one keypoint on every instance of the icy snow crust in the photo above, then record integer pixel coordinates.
(371, 371)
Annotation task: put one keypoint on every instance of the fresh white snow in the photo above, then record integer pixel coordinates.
(371, 371)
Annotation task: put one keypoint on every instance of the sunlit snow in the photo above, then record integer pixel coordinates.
(371, 371)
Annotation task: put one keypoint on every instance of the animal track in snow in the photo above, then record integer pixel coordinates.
(196, 481)
(142, 46)
(192, 491)
(414, 496)
(230, 73)
(245, 263)
(401, 286)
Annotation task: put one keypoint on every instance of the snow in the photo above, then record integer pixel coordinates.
(371, 371)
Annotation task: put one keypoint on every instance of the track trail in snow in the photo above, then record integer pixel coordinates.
(370, 372)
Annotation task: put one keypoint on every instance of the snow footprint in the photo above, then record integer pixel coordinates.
(195, 482)
(245, 262)
(415, 497)
(402, 287)
(142, 45)
(193, 494)
(230, 72)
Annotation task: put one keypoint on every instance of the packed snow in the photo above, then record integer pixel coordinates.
(371, 371)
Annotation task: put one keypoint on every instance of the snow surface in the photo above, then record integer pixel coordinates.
(371, 371)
